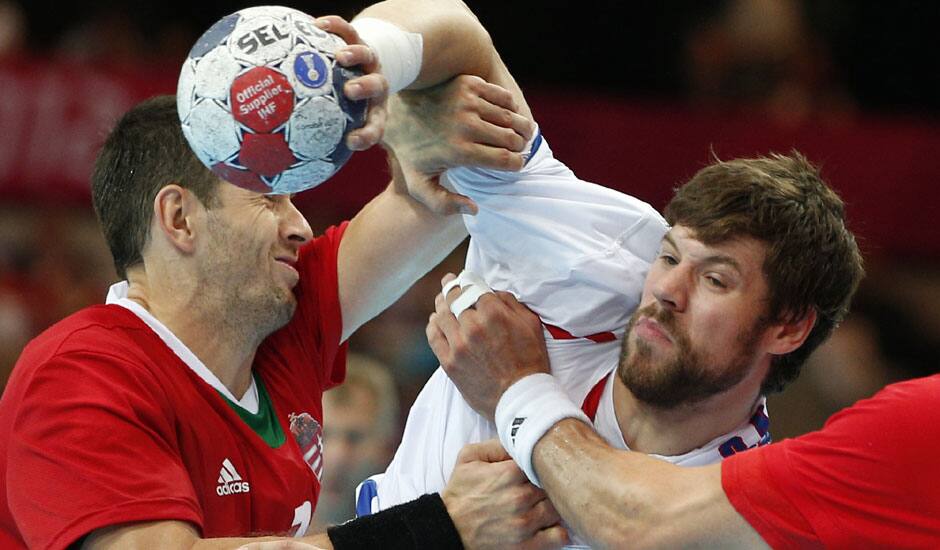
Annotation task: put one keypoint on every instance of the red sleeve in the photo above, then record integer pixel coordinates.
(317, 325)
(101, 453)
(868, 478)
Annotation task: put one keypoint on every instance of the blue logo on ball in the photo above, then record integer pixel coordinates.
(311, 69)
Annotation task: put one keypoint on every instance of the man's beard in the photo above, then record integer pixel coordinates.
(687, 378)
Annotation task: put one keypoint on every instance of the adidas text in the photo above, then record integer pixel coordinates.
(232, 488)
(230, 482)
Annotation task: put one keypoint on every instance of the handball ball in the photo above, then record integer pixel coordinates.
(261, 101)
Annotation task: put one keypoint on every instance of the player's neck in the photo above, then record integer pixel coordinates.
(222, 347)
(671, 432)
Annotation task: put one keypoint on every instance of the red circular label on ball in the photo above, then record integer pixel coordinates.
(262, 99)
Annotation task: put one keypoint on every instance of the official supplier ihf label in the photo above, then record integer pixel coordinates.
(262, 99)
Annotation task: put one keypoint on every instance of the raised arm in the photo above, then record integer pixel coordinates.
(396, 238)
(454, 42)
(390, 244)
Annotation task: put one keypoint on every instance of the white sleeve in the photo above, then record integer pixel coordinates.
(575, 252)
(440, 423)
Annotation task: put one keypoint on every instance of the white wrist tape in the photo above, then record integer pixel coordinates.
(398, 50)
(527, 410)
(473, 287)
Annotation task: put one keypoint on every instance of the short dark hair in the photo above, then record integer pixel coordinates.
(812, 262)
(144, 152)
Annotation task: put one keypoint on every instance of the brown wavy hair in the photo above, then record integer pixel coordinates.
(812, 260)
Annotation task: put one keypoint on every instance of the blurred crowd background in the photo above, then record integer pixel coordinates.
(634, 95)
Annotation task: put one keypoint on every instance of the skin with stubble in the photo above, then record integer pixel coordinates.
(257, 270)
(687, 377)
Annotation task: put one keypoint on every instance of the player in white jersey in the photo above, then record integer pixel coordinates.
(577, 255)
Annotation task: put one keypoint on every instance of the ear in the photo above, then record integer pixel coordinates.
(175, 210)
(786, 337)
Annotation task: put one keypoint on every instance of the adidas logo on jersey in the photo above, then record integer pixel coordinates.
(229, 480)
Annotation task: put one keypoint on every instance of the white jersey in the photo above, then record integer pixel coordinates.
(576, 254)
(750, 433)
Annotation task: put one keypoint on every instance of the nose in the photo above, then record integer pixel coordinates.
(294, 225)
(671, 288)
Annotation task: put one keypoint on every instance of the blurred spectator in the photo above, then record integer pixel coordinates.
(762, 56)
(849, 366)
(15, 329)
(360, 433)
(883, 340)
(52, 263)
(12, 28)
(105, 36)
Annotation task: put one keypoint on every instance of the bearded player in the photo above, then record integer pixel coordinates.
(736, 288)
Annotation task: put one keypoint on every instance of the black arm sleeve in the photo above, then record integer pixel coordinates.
(422, 523)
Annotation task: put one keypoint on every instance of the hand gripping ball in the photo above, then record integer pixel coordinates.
(260, 99)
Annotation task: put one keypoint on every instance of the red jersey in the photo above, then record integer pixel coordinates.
(868, 479)
(102, 423)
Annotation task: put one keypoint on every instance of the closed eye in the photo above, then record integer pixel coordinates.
(270, 200)
(715, 281)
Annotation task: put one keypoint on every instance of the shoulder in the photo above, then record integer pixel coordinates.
(321, 253)
(897, 426)
(326, 241)
(93, 341)
(914, 392)
(93, 328)
(908, 405)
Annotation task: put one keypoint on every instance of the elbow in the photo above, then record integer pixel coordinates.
(469, 41)
(640, 523)
(632, 535)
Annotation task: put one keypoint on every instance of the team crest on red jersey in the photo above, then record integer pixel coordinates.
(308, 434)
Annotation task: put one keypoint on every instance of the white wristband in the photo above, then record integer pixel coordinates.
(399, 51)
(527, 410)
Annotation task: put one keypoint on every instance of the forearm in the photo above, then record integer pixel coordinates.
(617, 498)
(178, 534)
(321, 541)
(388, 246)
(454, 40)
(421, 523)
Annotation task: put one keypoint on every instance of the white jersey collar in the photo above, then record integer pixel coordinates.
(607, 427)
(117, 295)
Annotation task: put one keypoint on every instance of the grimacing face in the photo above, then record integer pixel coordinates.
(250, 258)
(700, 322)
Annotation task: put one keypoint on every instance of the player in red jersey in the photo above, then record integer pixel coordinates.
(867, 479)
(189, 406)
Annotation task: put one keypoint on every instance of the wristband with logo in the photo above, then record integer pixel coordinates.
(527, 410)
